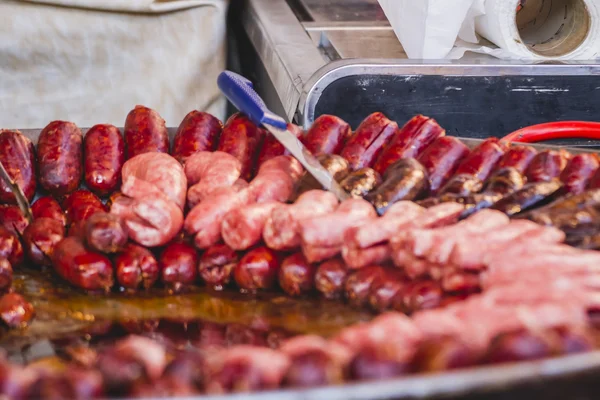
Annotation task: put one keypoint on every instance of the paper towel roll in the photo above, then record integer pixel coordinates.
(542, 29)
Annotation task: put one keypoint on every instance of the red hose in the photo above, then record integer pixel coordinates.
(556, 130)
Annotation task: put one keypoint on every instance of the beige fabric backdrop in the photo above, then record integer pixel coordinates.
(79, 63)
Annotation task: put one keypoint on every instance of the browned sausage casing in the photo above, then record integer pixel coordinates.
(547, 165)
(441, 160)
(60, 158)
(81, 267)
(242, 139)
(217, 264)
(10, 247)
(48, 207)
(518, 157)
(579, 172)
(199, 131)
(40, 238)
(136, 266)
(327, 135)
(179, 265)
(336, 165)
(360, 183)
(17, 154)
(257, 269)
(81, 205)
(103, 156)
(358, 284)
(297, 275)
(145, 132)
(330, 278)
(105, 233)
(369, 140)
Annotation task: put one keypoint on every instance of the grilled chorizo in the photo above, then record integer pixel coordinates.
(48, 207)
(135, 266)
(103, 158)
(327, 135)
(242, 139)
(40, 238)
(145, 132)
(17, 154)
(199, 131)
(258, 269)
(217, 264)
(179, 265)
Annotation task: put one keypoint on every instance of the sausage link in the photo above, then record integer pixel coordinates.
(6, 275)
(10, 247)
(40, 238)
(179, 265)
(80, 205)
(417, 296)
(445, 354)
(358, 284)
(145, 132)
(258, 269)
(136, 266)
(528, 197)
(327, 135)
(297, 275)
(518, 157)
(103, 158)
(373, 363)
(369, 140)
(271, 148)
(15, 311)
(442, 159)
(547, 165)
(579, 172)
(336, 165)
(81, 267)
(385, 287)
(105, 233)
(17, 154)
(242, 139)
(48, 207)
(330, 278)
(13, 219)
(60, 159)
(217, 264)
(505, 181)
(409, 142)
(520, 346)
(199, 131)
(361, 182)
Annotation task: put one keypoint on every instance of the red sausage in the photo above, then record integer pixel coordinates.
(217, 264)
(369, 140)
(105, 233)
(17, 154)
(482, 160)
(441, 160)
(417, 296)
(199, 131)
(327, 135)
(13, 219)
(358, 284)
(547, 165)
(594, 182)
(271, 148)
(297, 275)
(48, 207)
(179, 265)
(81, 205)
(81, 267)
(6, 275)
(242, 139)
(409, 142)
(518, 157)
(40, 238)
(330, 278)
(257, 269)
(15, 311)
(145, 132)
(103, 158)
(60, 160)
(10, 247)
(136, 266)
(579, 172)
(385, 288)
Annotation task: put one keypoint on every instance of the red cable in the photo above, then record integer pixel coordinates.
(556, 130)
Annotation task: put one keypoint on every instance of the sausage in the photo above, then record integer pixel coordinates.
(405, 180)
(243, 227)
(145, 132)
(271, 147)
(519, 346)
(6, 275)
(518, 157)
(580, 169)
(417, 296)
(337, 166)
(17, 154)
(242, 139)
(595, 181)
(10, 247)
(410, 142)
(105, 233)
(358, 284)
(441, 160)
(369, 140)
(80, 205)
(547, 165)
(48, 207)
(15, 311)
(574, 339)
(103, 158)
(375, 363)
(330, 278)
(199, 131)
(532, 195)
(385, 287)
(179, 265)
(361, 182)
(313, 368)
(297, 275)
(327, 135)
(136, 266)
(13, 219)
(445, 354)
(505, 181)
(258, 269)
(40, 238)
(81, 267)
(60, 159)
(217, 264)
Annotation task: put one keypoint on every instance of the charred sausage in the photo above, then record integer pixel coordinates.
(360, 183)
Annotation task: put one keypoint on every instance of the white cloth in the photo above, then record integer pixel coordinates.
(92, 61)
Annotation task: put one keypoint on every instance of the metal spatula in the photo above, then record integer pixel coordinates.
(241, 94)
